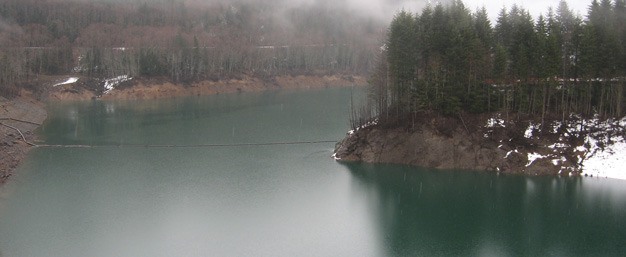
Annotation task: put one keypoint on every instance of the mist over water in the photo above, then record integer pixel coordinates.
(278, 200)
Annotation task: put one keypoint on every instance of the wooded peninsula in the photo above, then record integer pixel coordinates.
(451, 90)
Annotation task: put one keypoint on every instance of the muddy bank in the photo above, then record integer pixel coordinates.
(19, 117)
(157, 88)
(485, 143)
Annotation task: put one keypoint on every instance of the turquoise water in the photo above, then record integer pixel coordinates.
(277, 200)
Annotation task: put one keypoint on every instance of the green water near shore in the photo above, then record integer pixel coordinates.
(277, 200)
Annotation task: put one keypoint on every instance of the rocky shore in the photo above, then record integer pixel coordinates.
(491, 143)
(19, 117)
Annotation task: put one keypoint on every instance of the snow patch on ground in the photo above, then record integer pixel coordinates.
(604, 156)
(610, 162)
(371, 123)
(110, 84)
(557, 162)
(529, 131)
(351, 132)
(532, 157)
(558, 146)
(603, 153)
(556, 126)
(495, 122)
(510, 152)
(71, 80)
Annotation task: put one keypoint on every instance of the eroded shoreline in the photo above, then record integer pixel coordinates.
(19, 118)
(574, 147)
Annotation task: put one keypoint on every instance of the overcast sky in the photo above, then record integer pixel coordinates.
(535, 7)
(385, 9)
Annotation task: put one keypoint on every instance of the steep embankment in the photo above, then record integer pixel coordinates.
(514, 147)
(19, 117)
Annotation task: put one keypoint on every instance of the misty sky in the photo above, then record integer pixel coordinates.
(387, 8)
(535, 7)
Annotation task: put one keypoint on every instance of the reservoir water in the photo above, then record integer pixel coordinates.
(238, 199)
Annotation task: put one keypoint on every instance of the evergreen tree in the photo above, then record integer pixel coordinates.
(402, 57)
(620, 27)
(448, 60)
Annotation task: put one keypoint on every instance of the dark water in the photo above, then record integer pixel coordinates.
(277, 200)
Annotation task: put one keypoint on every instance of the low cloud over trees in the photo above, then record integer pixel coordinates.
(449, 60)
(183, 40)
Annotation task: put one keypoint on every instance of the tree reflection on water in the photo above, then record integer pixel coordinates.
(424, 212)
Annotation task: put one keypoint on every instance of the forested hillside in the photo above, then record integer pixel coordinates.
(182, 40)
(449, 60)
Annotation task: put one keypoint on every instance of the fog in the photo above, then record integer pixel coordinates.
(534, 7)
(382, 10)
(385, 9)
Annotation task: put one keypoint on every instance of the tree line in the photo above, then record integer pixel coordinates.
(182, 40)
(449, 60)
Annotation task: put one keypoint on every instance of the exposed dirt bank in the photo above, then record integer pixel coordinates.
(19, 117)
(482, 142)
(154, 88)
